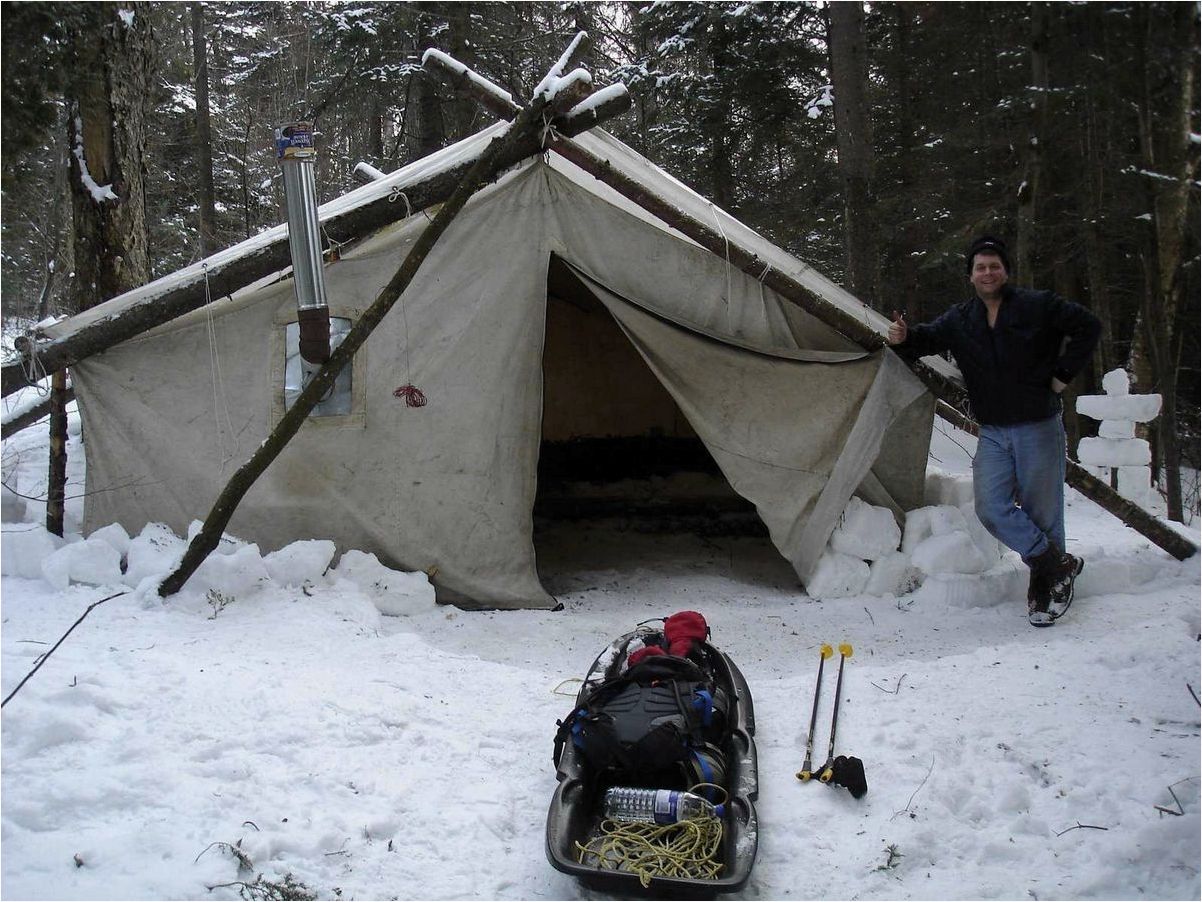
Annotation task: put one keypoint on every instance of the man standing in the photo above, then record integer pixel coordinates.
(1017, 349)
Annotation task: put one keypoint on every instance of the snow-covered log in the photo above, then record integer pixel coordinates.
(367, 173)
(604, 104)
(463, 80)
(30, 415)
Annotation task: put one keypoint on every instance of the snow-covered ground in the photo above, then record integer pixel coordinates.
(213, 745)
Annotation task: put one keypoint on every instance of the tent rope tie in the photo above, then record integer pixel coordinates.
(549, 131)
(221, 402)
(722, 232)
(397, 194)
(764, 275)
(335, 251)
(32, 367)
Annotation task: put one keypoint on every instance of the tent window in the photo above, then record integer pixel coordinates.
(338, 402)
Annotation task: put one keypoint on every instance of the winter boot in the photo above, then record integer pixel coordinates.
(1061, 587)
(1038, 610)
(1051, 589)
(1038, 603)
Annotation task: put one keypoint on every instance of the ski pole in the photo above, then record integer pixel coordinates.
(828, 769)
(806, 771)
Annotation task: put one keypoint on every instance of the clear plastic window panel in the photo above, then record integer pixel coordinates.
(338, 401)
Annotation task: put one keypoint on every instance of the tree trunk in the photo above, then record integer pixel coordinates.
(56, 491)
(908, 240)
(375, 132)
(111, 51)
(107, 131)
(430, 131)
(204, 135)
(1064, 283)
(1097, 146)
(1029, 191)
(57, 234)
(1169, 78)
(853, 139)
(715, 120)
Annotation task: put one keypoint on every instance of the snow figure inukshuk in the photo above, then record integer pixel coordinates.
(1116, 445)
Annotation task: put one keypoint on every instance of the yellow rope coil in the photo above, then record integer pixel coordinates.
(686, 849)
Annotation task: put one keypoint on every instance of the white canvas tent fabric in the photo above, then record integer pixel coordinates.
(794, 414)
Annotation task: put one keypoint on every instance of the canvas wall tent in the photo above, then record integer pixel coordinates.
(796, 416)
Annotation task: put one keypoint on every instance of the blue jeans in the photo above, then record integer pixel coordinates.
(1018, 484)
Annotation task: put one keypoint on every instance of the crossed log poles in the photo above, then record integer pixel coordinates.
(560, 102)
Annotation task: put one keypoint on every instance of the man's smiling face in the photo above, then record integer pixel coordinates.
(988, 275)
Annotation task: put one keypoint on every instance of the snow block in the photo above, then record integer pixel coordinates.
(952, 489)
(1104, 576)
(155, 551)
(12, 507)
(300, 562)
(892, 574)
(93, 562)
(1116, 429)
(1139, 408)
(394, 592)
(1005, 583)
(866, 532)
(234, 575)
(115, 535)
(1108, 452)
(837, 576)
(227, 544)
(991, 549)
(23, 550)
(917, 529)
(953, 552)
(1116, 382)
(935, 520)
(947, 519)
(1135, 483)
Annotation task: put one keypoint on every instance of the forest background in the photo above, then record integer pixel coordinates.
(873, 142)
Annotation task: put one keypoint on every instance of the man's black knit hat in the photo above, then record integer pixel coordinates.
(987, 244)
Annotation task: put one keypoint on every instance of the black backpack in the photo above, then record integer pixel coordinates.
(659, 723)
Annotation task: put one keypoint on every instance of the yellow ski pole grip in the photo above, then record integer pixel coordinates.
(845, 650)
(827, 651)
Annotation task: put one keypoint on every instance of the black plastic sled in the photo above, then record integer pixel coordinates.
(727, 759)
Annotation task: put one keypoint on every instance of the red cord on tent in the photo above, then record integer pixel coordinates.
(412, 394)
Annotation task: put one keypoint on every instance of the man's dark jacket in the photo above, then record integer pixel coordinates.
(1008, 369)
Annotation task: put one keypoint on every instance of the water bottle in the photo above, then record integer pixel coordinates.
(657, 806)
